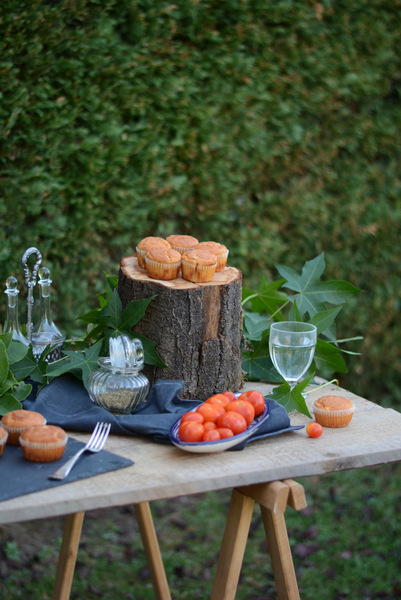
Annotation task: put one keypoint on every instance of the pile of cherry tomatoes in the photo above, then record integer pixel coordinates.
(221, 416)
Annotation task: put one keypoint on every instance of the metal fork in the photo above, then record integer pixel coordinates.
(95, 444)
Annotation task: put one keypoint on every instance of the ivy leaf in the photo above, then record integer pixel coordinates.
(28, 367)
(4, 365)
(312, 294)
(82, 363)
(22, 390)
(255, 324)
(16, 351)
(328, 358)
(292, 399)
(119, 320)
(8, 403)
(149, 348)
(267, 298)
(258, 363)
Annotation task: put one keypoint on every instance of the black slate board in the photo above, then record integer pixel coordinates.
(19, 476)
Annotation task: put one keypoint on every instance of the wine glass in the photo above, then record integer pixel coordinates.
(292, 346)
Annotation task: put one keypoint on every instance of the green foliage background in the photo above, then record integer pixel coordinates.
(270, 126)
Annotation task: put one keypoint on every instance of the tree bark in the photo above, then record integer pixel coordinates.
(197, 328)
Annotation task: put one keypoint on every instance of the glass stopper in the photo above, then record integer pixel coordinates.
(11, 286)
(126, 353)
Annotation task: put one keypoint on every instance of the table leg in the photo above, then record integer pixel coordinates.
(68, 556)
(152, 551)
(273, 499)
(233, 547)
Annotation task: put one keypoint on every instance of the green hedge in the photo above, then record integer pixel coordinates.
(270, 126)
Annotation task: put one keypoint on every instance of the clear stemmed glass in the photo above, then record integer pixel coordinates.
(292, 347)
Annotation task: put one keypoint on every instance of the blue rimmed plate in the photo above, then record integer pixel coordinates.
(219, 445)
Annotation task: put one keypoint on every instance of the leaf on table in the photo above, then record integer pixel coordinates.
(29, 367)
(292, 399)
(258, 363)
(329, 358)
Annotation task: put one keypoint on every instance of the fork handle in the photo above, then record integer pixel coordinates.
(65, 470)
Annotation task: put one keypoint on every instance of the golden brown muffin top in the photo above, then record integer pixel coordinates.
(214, 247)
(152, 242)
(183, 241)
(43, 434)
(201, 257)
(164, 255)
(23, 418)
(333, 403)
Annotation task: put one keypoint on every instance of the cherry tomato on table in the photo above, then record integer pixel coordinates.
(233, 421)
(314, 430)
(244, 408)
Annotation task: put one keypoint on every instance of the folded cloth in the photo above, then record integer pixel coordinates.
(65, 402)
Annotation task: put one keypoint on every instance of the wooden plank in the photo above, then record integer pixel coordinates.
(233, 547)
(272, 495)
(163, 471)
(296, 496)
(68, 556)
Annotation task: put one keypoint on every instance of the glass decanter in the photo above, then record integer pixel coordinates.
(118, 386)
(12, 323)
(46, 333)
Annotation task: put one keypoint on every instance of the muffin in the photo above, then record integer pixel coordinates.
(333, 411)
(147, 244)
(43, 443)
(219, 250)
(163, 263)
(16, 421)
(3, 439)
(198, 266)
(182, 243)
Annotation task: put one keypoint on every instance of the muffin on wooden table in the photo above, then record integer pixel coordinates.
(219, 250)
(198, 266)
(147, 244)
(16, 421)
(3, 439)
(182, 243)
(163, 263)
(43, 443)
(333, 411)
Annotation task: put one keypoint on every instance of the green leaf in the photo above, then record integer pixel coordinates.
(77, 362)
(16, 351)
(311, 294)
(8, 403)
(329, 358)
(151, 355)
(28, 367)
(258, 364)
(292, 399)
(6, 338)
(267, 298)
(22, 390)
(4, 365)
(255, 324)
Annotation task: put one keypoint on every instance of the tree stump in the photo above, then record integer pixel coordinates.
(197, 328)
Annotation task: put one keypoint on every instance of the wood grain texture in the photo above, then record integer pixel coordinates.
(197, 328)
(164, 471)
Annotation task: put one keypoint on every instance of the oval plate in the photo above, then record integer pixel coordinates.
(219, 445)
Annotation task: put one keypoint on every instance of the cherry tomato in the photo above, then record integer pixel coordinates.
(225, 432)
(210, 412)
(233, 421)
(220, 399)
(190, 431)
(230, 395)
(192, 416)
(208, 425)
(314, 430)
(244, 408)
(256, 399)
(211, 436)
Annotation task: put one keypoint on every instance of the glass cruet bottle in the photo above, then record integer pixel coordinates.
(45, 332)
(118, 386)
(12, 323)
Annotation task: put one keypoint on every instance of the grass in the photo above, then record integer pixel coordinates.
(345, 544)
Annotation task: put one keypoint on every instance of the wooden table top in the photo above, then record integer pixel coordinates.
(164, 471)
